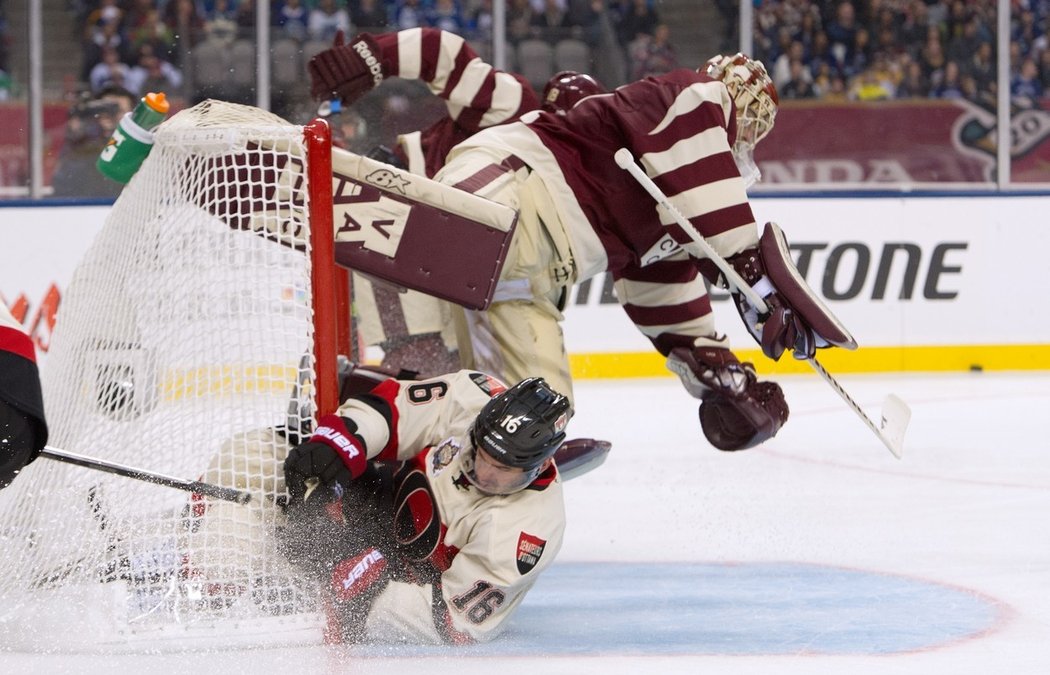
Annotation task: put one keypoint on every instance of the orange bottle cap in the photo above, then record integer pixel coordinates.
(158, 101)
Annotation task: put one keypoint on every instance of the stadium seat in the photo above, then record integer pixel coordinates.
(535, 62)
(242, 63)
(572, 54)
(209, 67)
(286, 68)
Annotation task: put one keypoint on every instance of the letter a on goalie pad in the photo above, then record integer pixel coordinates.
(418, 233)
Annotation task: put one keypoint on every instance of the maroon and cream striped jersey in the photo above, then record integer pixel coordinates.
(680, 127)
(476, 94)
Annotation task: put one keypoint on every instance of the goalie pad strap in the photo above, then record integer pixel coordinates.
(785, 277)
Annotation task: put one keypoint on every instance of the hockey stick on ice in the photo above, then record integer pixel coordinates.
(895, 413)
(206, 489)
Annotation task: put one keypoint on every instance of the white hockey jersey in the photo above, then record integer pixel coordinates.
(475, 555)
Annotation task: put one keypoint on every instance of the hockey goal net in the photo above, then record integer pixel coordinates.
(197, 327)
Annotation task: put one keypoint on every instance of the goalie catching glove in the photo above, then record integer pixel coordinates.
(736, 410)
(795, 319)
(347, 71)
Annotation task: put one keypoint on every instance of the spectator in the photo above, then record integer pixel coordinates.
(369, 15)
(91, 122)
(408, 14)
(109, 72)
(479, 24)
(552, 23)
(326, 19)
(633, 18)
(799, 84)
(981, 65)
(932, 58)
(653, 55)
(782, 71)
(145, 26)
(586, 18)
(292, 17)
(1044, 70)
(842, 32)
(244, 17)
(914, 84)
(1025, 87)
(519, 21)
(867, 87)
(221, 23)
(446, 15)
(152, 73)
(949, 85)
(185, 21)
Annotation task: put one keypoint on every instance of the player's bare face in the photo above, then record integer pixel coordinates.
(496, 478)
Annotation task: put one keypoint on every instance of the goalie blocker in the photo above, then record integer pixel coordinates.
(795, 317)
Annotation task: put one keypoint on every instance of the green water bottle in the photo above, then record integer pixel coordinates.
(133, 138)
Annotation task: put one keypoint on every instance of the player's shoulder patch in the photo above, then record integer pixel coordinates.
(488, 384)
(530, 548)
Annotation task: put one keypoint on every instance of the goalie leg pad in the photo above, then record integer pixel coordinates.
(797, 295)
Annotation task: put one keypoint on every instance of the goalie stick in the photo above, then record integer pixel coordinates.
(895, 412)
(206, 489)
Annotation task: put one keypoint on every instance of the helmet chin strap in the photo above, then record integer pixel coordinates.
(745, 164)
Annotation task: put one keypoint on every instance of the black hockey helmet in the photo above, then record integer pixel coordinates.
(523, 426)
(566, 89)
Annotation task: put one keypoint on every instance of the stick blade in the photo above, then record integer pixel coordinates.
(895, 418)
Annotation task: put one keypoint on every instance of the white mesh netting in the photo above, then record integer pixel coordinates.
(178, 349)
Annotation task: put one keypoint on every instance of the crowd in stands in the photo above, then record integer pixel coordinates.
(861, 50)
(872, 50)
(143, 44)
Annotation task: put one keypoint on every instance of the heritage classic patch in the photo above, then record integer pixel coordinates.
(530, 549)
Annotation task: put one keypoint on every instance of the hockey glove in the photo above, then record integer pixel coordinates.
(329, 461)
(736, 410)
(347, 71)
(795, 319)
(355, 583)
(317, 474)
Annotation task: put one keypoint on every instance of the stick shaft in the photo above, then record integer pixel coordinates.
(207, 489)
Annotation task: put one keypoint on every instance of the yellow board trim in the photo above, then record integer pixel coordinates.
(865, 360)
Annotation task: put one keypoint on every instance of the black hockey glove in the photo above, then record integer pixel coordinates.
(328, 462)
(318, 474)
(347, 71)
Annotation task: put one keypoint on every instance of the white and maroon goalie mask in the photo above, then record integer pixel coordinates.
(756, 102)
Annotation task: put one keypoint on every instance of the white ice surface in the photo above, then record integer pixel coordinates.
(960, 526)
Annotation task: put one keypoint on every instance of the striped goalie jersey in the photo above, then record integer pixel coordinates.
(474, 556)
(680, 127)
(476, 94)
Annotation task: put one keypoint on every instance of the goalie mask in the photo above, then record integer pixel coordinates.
(755, 98)
(566, 89)
(514, 435)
